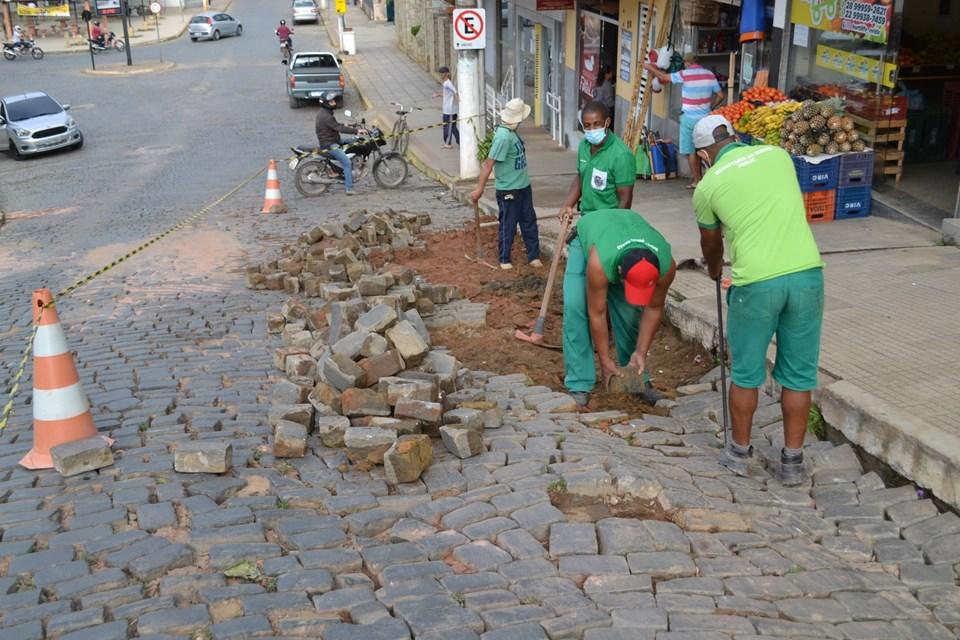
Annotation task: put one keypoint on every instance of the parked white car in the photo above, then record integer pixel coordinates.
(36, 123)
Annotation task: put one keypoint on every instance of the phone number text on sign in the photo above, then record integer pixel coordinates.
(871, 20)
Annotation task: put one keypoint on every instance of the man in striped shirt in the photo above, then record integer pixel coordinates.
(700, 94)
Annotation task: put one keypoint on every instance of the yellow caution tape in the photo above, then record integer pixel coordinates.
(28, 347)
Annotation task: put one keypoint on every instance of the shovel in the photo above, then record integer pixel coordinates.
(476, 223)
(535, 337)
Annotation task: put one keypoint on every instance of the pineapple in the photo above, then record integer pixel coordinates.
(814, 150)
(840, 137)
(834, 123)
(810, 111)
(796, 116)
(827, 112)
(818, 123)
(788, 145)
(845, 147)
(788, 125)
(801, 127)
(853, 136)
(804, 141)
(858, 146)
(832, 148)
(823, 139)
(846, 123)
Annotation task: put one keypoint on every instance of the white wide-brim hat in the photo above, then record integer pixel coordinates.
(514, 111)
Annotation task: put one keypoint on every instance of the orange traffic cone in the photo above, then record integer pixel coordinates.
(272, 199)
(61, 412)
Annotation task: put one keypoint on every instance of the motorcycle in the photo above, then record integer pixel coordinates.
(315, 171)
(12, 51)
(110, 41)
(286, 49)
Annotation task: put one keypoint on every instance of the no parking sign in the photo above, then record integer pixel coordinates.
(469, 27)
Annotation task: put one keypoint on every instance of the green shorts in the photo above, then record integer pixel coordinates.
(790, 307)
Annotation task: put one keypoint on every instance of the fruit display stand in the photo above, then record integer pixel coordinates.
(886, 137)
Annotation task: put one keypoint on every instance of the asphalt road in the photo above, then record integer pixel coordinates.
(158, 147)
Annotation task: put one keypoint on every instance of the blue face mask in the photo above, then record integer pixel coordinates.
(595, 136)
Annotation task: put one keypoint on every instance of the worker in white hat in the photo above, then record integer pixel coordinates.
(514, 196)
(751, 195)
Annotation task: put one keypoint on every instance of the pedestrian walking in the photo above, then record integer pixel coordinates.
(606, 91)
(450, 98)
(619, 279)
(514, 195)
(700, 94)
(751, 193)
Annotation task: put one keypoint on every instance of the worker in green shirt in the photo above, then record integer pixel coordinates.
(606, 169)
(620, 280)
(514, 196)
(751, 193)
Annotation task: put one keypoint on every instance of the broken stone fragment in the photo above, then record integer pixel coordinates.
(407, 458)
(80, 456)
(428, 414)
(461, 441)
(203, 456)
(364, 402)
(377, 320)
(408, 342)
(377, 367)
(289, 440)
(331, 430)
(368, 443)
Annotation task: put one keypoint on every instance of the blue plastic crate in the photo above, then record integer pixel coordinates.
(822, 176)
(856, 169)
(852, 202)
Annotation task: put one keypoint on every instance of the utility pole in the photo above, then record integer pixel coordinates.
(468, 90)
(126, 31)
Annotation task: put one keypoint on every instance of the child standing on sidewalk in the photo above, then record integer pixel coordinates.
(450, 97)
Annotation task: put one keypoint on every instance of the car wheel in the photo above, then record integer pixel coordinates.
(295, 103)
(14, 152)
(239, 29)
(216, 34)
(192, 39)
(79, 143)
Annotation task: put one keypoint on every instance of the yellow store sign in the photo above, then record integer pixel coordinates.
(856, 66)
(56, 9)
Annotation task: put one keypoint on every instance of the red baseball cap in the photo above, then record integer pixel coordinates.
(640, 270)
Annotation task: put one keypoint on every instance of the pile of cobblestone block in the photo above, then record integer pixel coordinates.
(360, 370)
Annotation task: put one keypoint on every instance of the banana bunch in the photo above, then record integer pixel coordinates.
(765, 122)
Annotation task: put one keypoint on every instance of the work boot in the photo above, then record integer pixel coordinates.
(741, 464)
(582, 398)
(506, 266)
(792, 470)
(649, 395)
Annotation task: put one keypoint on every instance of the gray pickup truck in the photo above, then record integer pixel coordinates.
(311, 74)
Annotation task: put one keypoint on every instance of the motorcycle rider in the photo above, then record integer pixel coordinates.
(19, 39)
(283, 33)
(328, 137)
(96, 34)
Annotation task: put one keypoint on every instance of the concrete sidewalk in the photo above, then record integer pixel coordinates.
(891, 338)
(143, 31)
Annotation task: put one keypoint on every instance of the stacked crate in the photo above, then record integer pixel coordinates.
(818, 182)
(886, 137)
(853, 185)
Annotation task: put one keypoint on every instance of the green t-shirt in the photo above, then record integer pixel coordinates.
(508, 152)
(613, 166)
(614, 232)
(753, 192)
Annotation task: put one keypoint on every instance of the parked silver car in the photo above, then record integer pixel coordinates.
(305, 11)
(212, 25)
(35, 122)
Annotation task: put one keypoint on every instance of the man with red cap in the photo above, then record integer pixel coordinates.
(626, 272)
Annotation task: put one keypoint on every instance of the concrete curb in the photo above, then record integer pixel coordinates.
(129, 71)
(910, 446)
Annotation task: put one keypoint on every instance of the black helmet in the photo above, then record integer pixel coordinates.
(283, 22)
(329, 100)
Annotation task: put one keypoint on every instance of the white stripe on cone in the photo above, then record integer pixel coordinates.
(272, 194)
(50, 341)
(59, 404)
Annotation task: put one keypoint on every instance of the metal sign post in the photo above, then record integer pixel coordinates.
(86, 18)
(124, 13)
(341, 7)
(155, 10)
(469, 25)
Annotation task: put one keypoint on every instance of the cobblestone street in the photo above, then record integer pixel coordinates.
(531, 522)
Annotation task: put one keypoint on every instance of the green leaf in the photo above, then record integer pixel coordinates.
(246, 570)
